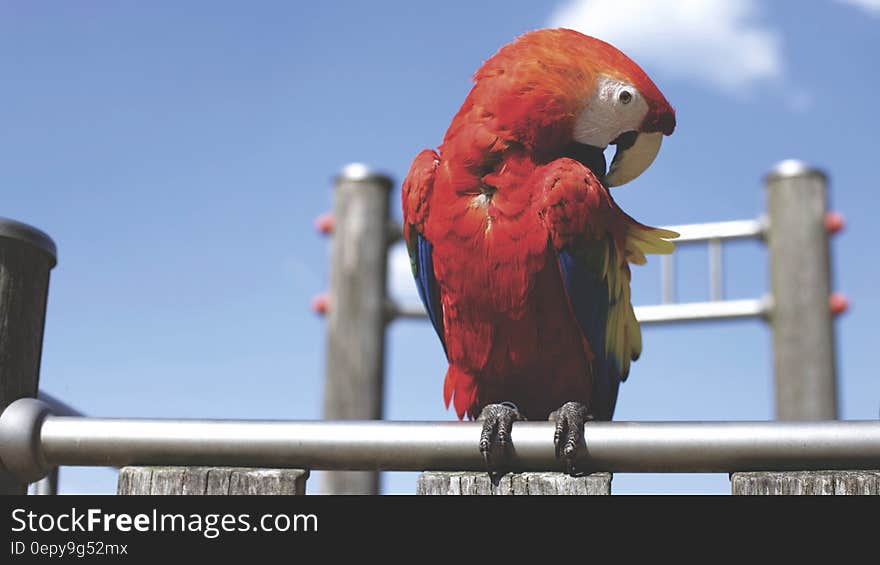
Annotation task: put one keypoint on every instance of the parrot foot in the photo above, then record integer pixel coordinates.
(570, 419)
(498, 422)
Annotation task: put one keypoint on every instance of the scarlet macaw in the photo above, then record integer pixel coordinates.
(519, 252)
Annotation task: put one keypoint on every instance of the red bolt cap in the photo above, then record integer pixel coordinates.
(834, 222)
(320, 303)
(838, 302)
(325, 223)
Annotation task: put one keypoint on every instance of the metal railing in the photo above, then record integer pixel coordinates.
(713, 234)
(34, 440)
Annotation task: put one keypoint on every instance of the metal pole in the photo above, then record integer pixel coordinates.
(357, 313)
(703, 311)
(48, 485)
(26, 257)
(667, 279)
(33, 441)
(803, 328)
(716, 270)
(725, 231)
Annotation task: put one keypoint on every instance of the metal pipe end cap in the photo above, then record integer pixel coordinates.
(20, 450)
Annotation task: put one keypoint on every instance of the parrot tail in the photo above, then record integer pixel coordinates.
(461, 387)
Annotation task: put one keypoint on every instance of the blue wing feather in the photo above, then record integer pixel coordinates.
(588, 293)
(429, 290)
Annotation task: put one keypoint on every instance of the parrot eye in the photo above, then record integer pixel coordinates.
(625, 96)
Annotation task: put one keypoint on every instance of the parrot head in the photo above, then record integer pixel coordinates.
(585, 93)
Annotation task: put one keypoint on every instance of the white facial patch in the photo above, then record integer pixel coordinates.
(616, 107)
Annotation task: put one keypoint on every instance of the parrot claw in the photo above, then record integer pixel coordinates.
(569, 434)
(498, 422)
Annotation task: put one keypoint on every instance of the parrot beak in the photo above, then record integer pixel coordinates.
(635, 153)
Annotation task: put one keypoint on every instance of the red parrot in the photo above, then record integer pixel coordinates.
(520, 254)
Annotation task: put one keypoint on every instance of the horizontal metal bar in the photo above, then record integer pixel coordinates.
(661, 313)
(678, 447)
(703, 311)
(737, 229)
(363, 445)
(410, 311)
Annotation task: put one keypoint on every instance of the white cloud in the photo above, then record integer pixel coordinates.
(720, 42)
(870, 6)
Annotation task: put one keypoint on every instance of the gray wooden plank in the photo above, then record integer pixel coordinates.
(211, 481)
(135, 480)
(461, 483)
(806, 483)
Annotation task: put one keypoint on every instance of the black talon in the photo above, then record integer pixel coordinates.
(498, 422)
(570, 419)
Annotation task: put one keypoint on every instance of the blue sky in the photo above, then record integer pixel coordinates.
(178, 154)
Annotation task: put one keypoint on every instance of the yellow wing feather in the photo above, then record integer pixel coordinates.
(624, 337)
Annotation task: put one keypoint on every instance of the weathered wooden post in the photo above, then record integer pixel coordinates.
(806, 483)
(514, 484)
(211, 481)
(803, 327)
(802, 322)
(358, 310)
(26, 257)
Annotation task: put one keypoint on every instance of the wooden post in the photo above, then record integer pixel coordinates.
(26, 257)
(357, 311)
(806, 483)
(211, 480)
(802, 323)
(469, 483)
